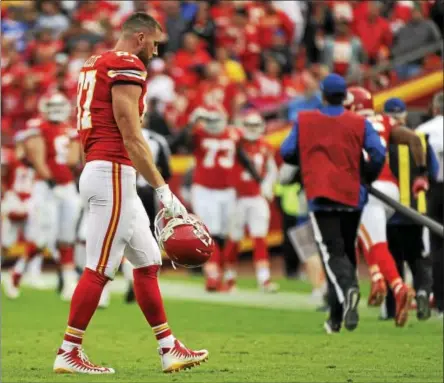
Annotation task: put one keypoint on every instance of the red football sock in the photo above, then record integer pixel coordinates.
(260, 252)
(386, 263)
(217, 256)
(66, 255)
(16, 279)
(84, 304)
(231, 251)
(146, 289)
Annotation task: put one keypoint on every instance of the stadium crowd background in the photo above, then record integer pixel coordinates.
(256, 53)
(263, 54)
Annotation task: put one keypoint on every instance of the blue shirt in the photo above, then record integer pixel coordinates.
(372, 145)
(15, 30)
(302, 103)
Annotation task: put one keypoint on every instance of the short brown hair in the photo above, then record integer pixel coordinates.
(139, 21)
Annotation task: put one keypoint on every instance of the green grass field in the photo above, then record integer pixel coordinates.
(246, 344)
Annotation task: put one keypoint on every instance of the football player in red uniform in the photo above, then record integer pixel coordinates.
(252, 208)
(17, 184)
(52, 148)
(372, 231)
(216, 148)
(111, 105)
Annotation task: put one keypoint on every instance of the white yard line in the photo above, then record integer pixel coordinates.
(194, 292)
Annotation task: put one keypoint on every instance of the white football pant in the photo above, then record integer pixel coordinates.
(376, 214)
(11, 230)
(214, 207)
(54, 214)
(251, 212)
(116, 220)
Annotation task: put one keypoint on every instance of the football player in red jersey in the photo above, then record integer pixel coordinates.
(216, 150)
(372, 231)
(52, 149)
(110, 105)
(17, 184)
(252, 209)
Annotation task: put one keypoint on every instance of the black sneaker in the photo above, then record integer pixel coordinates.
(351, 316)
(130, 297)
(423, 311)
(331, 327)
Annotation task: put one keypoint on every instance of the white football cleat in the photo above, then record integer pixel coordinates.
(179, 357)
(269, 287)
(76, 361)
(11, 291)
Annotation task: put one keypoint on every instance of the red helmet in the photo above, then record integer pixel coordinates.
(359, 100)
(185, 240)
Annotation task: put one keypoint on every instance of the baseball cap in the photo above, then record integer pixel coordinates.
(394, 105)
(334, 83)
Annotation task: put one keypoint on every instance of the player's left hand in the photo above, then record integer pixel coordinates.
(420, 184)
(171, 203)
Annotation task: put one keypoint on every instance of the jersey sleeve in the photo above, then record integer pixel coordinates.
(124, 67)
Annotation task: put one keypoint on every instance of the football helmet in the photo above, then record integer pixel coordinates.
(253, 126)
(214, 119)
(360, 101)
(55, 107)
(185, 240)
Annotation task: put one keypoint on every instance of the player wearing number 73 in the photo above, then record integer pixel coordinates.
(110, 104)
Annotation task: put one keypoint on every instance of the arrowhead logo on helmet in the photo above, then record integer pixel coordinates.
(185, 240)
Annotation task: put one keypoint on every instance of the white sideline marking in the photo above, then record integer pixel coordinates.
(195, 292)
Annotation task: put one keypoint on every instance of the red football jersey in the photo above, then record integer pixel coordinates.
(384, 125)
(57, 137)
(215, 156)
(19, 178)
(259, 152)
(97, 127)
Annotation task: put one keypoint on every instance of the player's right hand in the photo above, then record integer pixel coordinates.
(170, 202)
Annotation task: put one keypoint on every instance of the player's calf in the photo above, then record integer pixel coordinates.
(262, 266)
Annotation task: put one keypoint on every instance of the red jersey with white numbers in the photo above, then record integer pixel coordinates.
(258, 152)
(97, 127)
(57, 138)
(215, 156)
(19, 178)
(384, 125)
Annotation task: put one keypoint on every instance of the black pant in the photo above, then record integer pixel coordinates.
(406, 245)
(147, 195)
(435, 211)
(335, 234)
(291, 259)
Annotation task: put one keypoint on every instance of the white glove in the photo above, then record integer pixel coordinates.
(267, 190)
(170, 202)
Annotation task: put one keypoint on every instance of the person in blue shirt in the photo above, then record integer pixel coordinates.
(372, 145)
(327, 145)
